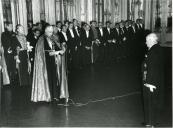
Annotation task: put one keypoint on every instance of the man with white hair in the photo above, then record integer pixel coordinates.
(153, 79)
(45, 84)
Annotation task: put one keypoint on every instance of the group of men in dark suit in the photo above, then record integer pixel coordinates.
(88, 43)
(92, 43)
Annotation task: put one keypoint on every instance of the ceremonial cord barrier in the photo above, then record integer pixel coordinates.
(98, 100)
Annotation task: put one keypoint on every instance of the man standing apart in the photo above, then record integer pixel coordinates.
(153, 79)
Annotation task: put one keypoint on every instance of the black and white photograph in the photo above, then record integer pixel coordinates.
(86, 63)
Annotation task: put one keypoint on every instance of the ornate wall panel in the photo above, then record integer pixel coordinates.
(50, 11)
(36, 11)
(22, 14)
(14, 13)
(83, 9)
(57, 9)
(157, 14)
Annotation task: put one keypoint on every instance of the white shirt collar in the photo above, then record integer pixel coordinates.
(59, 29)
(87, 33)
(65, 35)
(101, 31)
(71, 32)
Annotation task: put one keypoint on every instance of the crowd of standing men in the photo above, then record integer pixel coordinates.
(86, 44)
(96, 43)
(79, 45)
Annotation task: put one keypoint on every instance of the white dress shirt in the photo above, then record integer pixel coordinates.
(76, 28)
(141, 25)
(122, 30)
(138, 26)
(108, 30)
(59, 30)
(65, 36)
(71, 32)
(35, 37)
(101, 31)
(117, 30)
(134, 29)
(49, 43)
(87, 34)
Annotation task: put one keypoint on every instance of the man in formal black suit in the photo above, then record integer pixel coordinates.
(142, 33)
(123, 40)
(140, 38)
(66, 23)
(78, 49)
(153, 79)
(137, 25)
(30, 27)
(58, 25)
(116, 40)
(64, 40)
(102, 45)
(135, 41)
(41, 26)
(9, 48)
(95, 41)
(33, 38)
(109, 44)
(77, 31)
(128, 38)
(63, 35)
(141, 23)
(72, 45)
(132, 37)
(86, 40)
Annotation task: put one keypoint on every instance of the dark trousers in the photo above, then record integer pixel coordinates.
(10, 62)
(52, 76)
(102, 53)
(109, 53)
(86, 57)
(24, 77)
(150, 106)
(69, 58)
(32, 57)
(74, 58)
(95, 52)
(78, 57)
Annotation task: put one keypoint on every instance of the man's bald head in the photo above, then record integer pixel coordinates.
(151, 40)
(49, 30)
